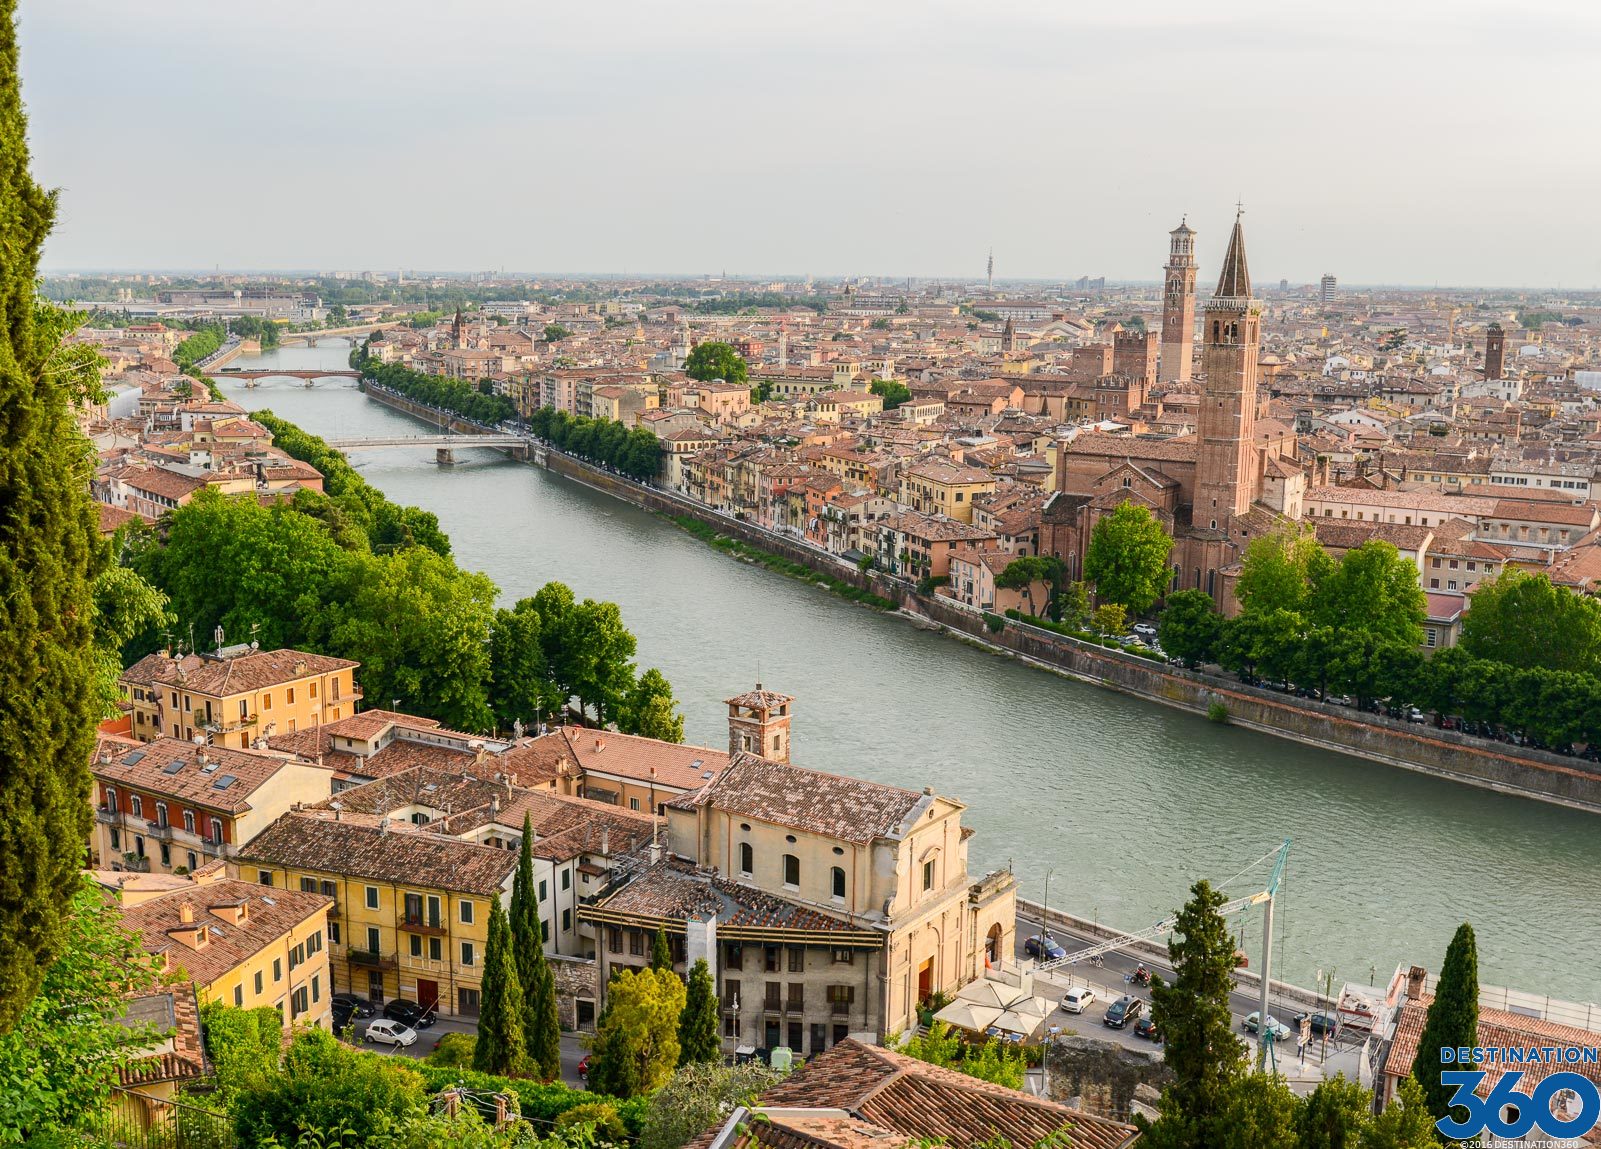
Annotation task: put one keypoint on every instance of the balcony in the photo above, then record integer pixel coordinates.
(425, 965)
(136, 863)
(414, 924)
(161, 830)
(369, 959)
(107, 816)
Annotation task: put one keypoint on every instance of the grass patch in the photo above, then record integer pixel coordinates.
(736, 548)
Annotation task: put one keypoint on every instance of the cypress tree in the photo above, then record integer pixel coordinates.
(1453, 1018)
(49, 553)
(661, 956)
(500, 1047)
(1206, 1058)
(541, 1027)
(697, 1025)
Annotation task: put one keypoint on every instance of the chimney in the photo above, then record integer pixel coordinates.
(186, 913)
(383, 825)
(600, 744)
(1415, 977)
(605, 842)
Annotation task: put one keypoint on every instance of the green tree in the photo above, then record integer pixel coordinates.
(1109, 618)
(988, 1061)
(1452, 1021)
(244, 1044)
(716, 360)
(1334, 1115)
(1192, 1013)
(1190, 627)
(1279, 569)
(1374, 589)
(501, 1047)
(330, 1092)
(1073, 605)
(661, 954)
(1025, 573)
(60, 1056)
(1259, 1112)
(541, 1026)
(1523, 620)
(1127, 558)
(519, 676)
(635, 1046)
(599, 661)
(697, 1025)
(49, 554)
(650, 711)
(555, 333)
(698, 1094)
(892, 391)
(126, 609)
(1405, 1124)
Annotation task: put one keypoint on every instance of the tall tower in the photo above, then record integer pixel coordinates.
(1178, 306)
(758, 723)
(1225, 480)
(990, 270)
(1495, 352)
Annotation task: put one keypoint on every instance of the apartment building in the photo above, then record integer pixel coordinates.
(237, 695)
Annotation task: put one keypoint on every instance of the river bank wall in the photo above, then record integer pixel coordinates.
(1448, 754)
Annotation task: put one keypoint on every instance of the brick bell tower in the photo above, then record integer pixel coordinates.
(1225, 480)
(758, 723)
(1178, 306)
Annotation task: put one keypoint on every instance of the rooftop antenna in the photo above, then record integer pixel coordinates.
(217, 634)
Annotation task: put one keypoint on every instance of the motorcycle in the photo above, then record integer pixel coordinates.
(1141, 976)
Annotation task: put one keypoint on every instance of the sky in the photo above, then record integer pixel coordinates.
(1404, 141)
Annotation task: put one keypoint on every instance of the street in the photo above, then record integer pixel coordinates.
(572, 1049)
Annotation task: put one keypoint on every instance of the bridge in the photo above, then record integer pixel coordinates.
(444, 444)
(310, 337)
(251, 374)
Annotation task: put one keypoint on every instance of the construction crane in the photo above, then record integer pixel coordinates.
(1263, 897)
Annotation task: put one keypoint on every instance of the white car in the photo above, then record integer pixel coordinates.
(1077, 999)
(1145, 630)
(390, 1032)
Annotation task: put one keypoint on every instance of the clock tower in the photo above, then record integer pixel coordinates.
(1178, 307)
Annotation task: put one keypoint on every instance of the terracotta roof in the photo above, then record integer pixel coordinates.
(832, 805)
(1498, 1029)
(675, 766)
(366, 847)
(205, 674)
(269, 914)
(931, 1104)
(207, 776)
(759, 699)
(674, 892)
(175, 1013)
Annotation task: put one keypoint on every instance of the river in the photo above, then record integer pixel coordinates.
(1122, 802)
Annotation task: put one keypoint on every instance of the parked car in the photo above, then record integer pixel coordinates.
(1146, 1027)
(1044, 948)
(1122, 1011)
(343, 1016)
(358, 1006)
(1277, 1028)
(1144, 630)
(1319, 1023)
(1077, 999)
(387, 1032)
(409, 1013)
(1413, 714)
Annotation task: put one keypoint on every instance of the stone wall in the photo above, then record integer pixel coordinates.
(575, 978)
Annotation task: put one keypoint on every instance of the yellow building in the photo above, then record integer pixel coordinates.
(410, 914)
(237, 695)
(242, 945)
(941, 487)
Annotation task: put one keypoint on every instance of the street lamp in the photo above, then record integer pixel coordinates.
(1045, 918)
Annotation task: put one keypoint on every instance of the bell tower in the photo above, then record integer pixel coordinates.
(1178, 306)
(1225, 480)
(758, 723)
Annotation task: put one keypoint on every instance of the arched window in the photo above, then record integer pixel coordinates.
(216, 831)
(791, 870)
(837, 876)
(189, 821)
(161, 814)
(747, 859)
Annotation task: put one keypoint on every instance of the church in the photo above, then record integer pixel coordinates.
(1236, 478)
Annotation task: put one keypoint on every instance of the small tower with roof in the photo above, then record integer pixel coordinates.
(758, 723)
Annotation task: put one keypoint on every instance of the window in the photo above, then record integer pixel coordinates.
(797, 959)
(542, 891)
(291, 696)
(189, 821)
(928, 874)
(239, 995)
(277, 970)
(566, 879)
(314, 942)
(614, 939)
(747, 859)
(436, 949)
(189, 859)
(636, 942)
(138, 807)
(166, 854)
(216, 831)
(837, 881)
(316, 987)
(1431, 637)
(266, 701)
(416, 945)
(308, 885)
(467, 954)
(298, 1003)
(567, 921)
(373, 944)
(111, 798)
(333, 932)
(770, 958)
(244, 709)
(116, 839)
(791, 870)
(313, 688)
(264, 877)
(797, 995)
(842, 957)
(258, 983)
(633, 803)
(161, 814)
(372, 897)
(544, 930)
(466, 912)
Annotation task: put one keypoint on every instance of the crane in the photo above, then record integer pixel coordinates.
(1263, 897)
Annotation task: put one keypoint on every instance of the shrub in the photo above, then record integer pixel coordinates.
(602, 1115)
(453, 1049)
(995, 623)
(1217, 712)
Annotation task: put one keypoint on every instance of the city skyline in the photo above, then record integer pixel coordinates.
(813, 140)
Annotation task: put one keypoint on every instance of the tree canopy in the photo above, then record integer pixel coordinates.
(1452, 1021)
(1523, 620)
(635, 1047)
(1127, 558)
(1190, 627)
(716, 360)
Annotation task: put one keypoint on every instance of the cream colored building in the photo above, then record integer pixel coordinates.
(940, 487)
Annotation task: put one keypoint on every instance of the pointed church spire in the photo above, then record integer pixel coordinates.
(1235, 280)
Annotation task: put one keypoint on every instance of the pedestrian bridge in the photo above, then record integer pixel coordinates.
(284, 373)
(443, 445)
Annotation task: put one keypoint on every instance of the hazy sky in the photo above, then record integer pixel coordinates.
(1413, 141)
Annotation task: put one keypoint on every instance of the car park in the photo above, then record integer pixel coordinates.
(1044, 948)
(1146, 1027)
(387, 1032)
(1077, 999)
(409, 1013)
(1122, 1011)
(1277, 1028)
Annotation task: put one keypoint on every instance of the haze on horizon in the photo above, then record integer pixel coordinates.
(1420, 143)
